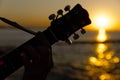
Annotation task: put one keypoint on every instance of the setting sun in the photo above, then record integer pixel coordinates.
(102, 22)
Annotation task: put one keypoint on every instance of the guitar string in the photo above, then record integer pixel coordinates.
(53, 34)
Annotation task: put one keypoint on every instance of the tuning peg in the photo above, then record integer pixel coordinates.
(60, 12)
(52, 17)
(68, 41)
(76, 36)
(67, 8)
(83, 31)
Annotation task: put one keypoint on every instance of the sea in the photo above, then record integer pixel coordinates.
(84, 59)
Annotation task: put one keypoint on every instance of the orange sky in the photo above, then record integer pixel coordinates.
(35, 12)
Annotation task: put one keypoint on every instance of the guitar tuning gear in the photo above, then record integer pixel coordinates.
(60, 12)
(68, 41)
(52, 17)
(83, 31)
(67, 8)
(76, 36)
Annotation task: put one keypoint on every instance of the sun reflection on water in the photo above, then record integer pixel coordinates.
(101, 37)
(102, 63)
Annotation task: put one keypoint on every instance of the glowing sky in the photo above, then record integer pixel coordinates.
(36, 12)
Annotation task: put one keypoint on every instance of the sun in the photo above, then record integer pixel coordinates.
(102, 21)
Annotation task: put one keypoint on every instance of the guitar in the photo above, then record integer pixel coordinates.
(61, 28)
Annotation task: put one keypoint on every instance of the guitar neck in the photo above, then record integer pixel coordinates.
(50, 35)
(12, 61)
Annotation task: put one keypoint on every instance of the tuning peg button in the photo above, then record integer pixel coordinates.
(67, 8)
(52, 17)
(76, 36)
(60, 12)
(83, 31)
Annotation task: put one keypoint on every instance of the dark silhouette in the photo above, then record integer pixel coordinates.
(36, 53)
(41, 60)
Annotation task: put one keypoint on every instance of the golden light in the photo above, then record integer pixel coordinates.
(92, 59)
(105, 76)
(97, 62)
(102, 22)
(109, 55)
(101, 37)
(101, 48)
(116, 60)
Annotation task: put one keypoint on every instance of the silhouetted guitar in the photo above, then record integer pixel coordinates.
(61, 28)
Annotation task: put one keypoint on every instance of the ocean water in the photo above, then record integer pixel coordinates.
(85, 59)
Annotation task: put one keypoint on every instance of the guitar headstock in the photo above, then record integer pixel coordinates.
(68, 24)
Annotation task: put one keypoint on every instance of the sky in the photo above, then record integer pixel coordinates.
(34, 13)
